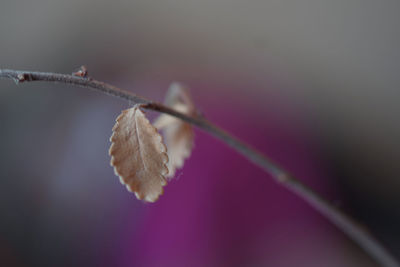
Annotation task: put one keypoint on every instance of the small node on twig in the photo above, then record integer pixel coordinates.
(22, 77)
(82, 72)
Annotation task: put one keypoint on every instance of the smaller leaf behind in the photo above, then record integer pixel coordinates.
(178, 135)
(138, 155)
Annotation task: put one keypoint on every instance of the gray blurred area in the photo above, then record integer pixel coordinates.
(336, 60)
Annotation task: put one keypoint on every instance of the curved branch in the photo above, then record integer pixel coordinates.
(350, 227)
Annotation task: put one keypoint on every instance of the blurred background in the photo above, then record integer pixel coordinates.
(311, 83)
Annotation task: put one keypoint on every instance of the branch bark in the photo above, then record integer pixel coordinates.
(346, 224)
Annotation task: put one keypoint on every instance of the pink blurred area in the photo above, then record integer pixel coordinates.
(223, 211)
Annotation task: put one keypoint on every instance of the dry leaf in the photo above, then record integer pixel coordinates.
(178, 135)
(138, 155)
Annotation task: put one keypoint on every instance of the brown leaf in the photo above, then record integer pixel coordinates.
(138, 155)
(178, 135)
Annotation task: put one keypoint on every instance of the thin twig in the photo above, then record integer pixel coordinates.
(350, 227)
